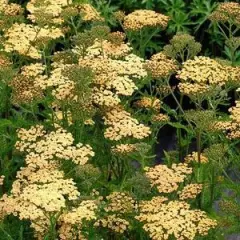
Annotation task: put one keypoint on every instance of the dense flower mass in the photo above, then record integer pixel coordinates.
(121, 125)
(204, 70)
(11, 9)
(120, 76)
(193, 89)
(37, 195)
(57, 12)
(167, 179)
(227, 12)
(71, 222)
(51, 146)
(120, 202)
(23, 38)
(174, 218)
(50, 9)
(109, 48)
(114, 223)
(232, 127)
(148, 103)
(160, 66)
(62, 86)
(190, 191)
(139, 19)
(25, 85)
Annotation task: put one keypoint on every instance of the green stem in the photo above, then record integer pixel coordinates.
(199, 147)
(213, 184)
(223, 32)
(144, 43)
(199, 163)
(179, 105)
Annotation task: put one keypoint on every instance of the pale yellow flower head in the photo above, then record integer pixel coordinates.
(232, 126)
(53, 145)
(204, 70)
(167, 179)
(174, 218)
(21, 38)
(114, 223)
(71, 221)
(120, 125)
(190, 191)
(51, 8)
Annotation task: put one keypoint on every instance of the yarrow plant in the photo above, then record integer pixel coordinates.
(86, 94)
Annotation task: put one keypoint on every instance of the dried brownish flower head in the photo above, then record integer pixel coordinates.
(161, 66)
(11, 9)
(113, 222)
(190, 191)
(119, 15)
(193, 157)
(140, 19)
(64, 57)
(227, 12)
(124, 149)
(149, 103)
(24, 85)
(120, 202)
(89, 13)
(4, 61)
(117, 37)
(160, 118)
